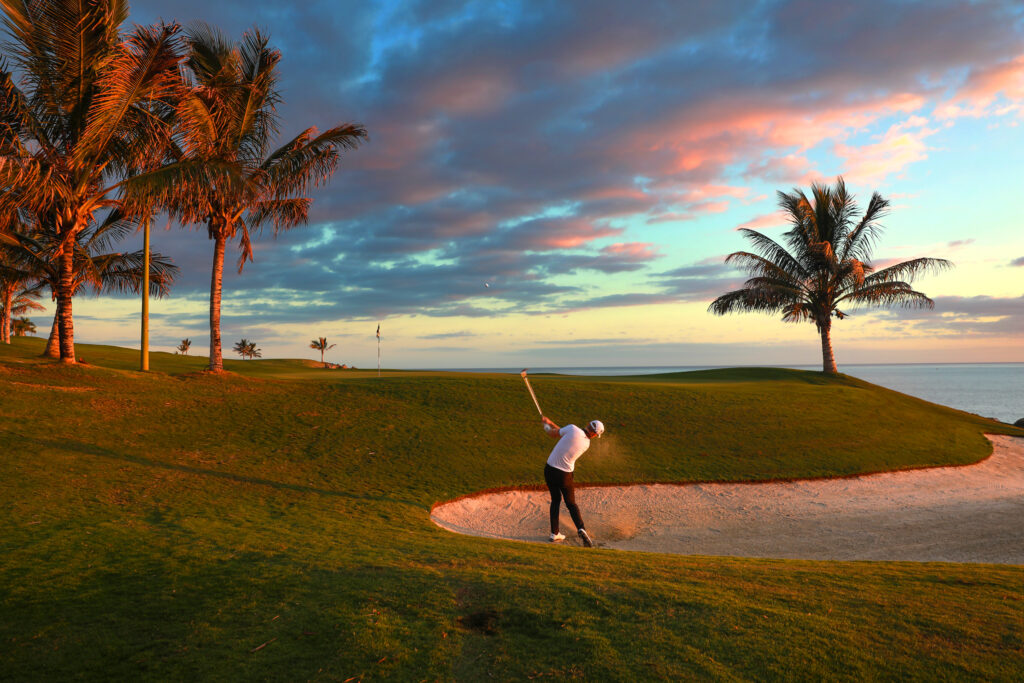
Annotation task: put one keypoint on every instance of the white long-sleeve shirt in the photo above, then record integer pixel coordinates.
(572, 444)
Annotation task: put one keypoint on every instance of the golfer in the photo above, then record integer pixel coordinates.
(572, 443)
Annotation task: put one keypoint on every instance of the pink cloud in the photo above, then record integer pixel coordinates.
(699, 141)
(767, 220)
(691, 212)
(543, 235)
(614, 193)
(897, 149)
(477, 92)
(637, 251)
(788, 168)
(983, 87)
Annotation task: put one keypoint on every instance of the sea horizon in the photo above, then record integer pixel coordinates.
(985, 389)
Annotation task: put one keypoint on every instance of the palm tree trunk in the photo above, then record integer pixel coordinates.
(828, 359)
(53, 342)
(216, 359)
(66, 325)
(322, 358)
(5, 315)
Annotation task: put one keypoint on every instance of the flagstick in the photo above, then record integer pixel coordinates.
(378, 352)
(144, 360)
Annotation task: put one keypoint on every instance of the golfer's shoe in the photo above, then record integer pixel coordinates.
(557, 537)
(585, 537)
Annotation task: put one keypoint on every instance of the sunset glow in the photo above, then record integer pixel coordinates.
(591, 164)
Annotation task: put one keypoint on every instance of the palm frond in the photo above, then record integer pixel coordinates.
(746, 300)
(861, 240)
(890, 294)
(774, 252)
(908, 270)
(123, 273)
(144, 66)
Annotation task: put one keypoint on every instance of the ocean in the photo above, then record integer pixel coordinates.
(989, 389)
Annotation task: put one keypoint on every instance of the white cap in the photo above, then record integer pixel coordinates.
(597, 427)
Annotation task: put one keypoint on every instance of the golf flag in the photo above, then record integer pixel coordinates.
(378, 330)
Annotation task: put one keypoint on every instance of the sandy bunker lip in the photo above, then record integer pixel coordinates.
(942, 514)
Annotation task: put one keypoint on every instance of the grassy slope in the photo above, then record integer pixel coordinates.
(169, 524)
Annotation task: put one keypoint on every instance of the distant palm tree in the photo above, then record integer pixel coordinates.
(227, 121)
(184, 346)
(79, 119)
(14, 303)
(827, 263)
(19, 281)
(23, 326)
(247, 349)
(320, 344)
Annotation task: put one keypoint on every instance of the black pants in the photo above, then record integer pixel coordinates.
(560, 485)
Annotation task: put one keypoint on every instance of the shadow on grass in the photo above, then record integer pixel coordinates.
(91, 449)
(229, 618)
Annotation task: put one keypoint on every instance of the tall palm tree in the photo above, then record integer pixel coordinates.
(227, 122)
(96, 266)
(79, 119)
(320, 344)
(825, 263)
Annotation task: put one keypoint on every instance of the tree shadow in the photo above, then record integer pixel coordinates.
(92, 449)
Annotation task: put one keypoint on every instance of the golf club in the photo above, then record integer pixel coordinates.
(532, 395)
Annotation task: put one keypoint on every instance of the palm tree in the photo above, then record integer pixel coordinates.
(19, 285)
(227, 122)
(320, 344)
(80, 119)
(247, 349)
(184, 346)
(95, 266)
(827, 264)
(23, 326)
(14, 303)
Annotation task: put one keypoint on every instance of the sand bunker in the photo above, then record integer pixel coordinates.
(946, 514)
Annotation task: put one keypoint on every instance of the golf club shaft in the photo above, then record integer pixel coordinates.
(532, 395)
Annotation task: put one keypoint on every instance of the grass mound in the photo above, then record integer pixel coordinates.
(273, 523)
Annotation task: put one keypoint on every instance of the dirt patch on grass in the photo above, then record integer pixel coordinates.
(943, 514)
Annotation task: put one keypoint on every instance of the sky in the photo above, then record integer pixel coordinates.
(558, 183)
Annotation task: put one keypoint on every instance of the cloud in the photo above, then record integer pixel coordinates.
(984, 86)
(1017, 261)
(897, 149)
(954, 316)
(766, 220)
(518, 143)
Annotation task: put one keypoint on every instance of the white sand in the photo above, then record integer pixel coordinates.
(948, 514)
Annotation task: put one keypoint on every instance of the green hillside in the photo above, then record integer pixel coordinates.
(274, 524)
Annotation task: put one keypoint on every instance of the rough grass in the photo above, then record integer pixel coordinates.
(274, 524)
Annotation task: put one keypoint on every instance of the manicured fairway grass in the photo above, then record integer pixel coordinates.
(167, 525)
